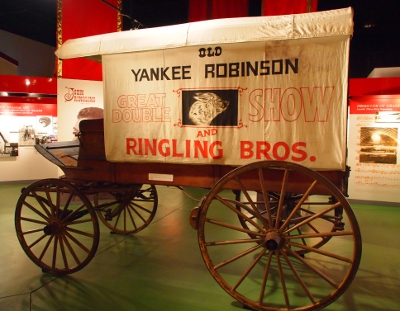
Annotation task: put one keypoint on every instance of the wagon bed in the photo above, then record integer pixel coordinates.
(85, 160)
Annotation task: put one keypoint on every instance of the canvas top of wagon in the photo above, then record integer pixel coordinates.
(253, 109)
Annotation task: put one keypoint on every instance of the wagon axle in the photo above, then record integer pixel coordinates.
(273, 240)
(52, 229)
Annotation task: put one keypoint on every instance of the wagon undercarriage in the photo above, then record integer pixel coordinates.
(274, 235)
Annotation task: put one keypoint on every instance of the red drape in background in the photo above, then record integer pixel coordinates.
(284, 7)
(229, 8)
(199, 10)
(212, 9)
(81, 19)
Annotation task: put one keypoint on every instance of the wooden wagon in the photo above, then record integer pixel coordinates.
(274, 234)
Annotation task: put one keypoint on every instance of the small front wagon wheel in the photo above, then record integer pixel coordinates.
(56, 226)
(129, 210)
(271, 255)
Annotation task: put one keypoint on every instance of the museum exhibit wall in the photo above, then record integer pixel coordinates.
(49, 112)
(28, 115)
(373, 136)
(19, 103)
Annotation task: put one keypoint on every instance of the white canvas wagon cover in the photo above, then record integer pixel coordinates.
(227, 91)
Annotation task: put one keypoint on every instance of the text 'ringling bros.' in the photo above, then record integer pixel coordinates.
(204, 149)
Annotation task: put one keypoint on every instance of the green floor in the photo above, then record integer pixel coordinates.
(161, 268)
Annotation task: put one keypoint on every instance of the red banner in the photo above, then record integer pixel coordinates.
(284, 7)
(28, 84)
(229, 8)
(27, 110)
(213, 9)
(374, 104)
(82, 19)
(199, 10)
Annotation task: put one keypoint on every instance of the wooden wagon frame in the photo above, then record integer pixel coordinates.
(275, 235)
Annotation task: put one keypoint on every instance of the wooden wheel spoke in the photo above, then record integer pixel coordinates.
(67, 203)
(76, 241)
(242, 205)
(329, 218)
(37, 240)
(231, 242)
(298, 277)
(58, 198)
(131, 208)
(123, 213)
(36, 211)
(77, 222)
(71, 250)
(311, 218)
(63, 254)
(311, 227)
(321, 252)
(234, 258)
(55, 250)
(36, 221)
(265, 197)
(265, 278)
(45, 248)
(49, 200)
(32, 231)
(87, 234)
(298, 205)
(134, 207)
(251, 202)
(42, 202)
(320, 234)
(299, 233)
(229, 226)
(227, 202)
(73, 214)
(317, 271)
(281, 198)
(282, 279)
(310, 203)
(124, 218)
(140, 207)
(248, 270)
(117, 220)
(131, 216)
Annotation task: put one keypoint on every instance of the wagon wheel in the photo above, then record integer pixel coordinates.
(289, 202)
(56, 226)
(128, 211)
(261, 264)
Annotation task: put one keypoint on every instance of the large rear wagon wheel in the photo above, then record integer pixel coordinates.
(282, 259)
(56, 226)
(288, 202)
(127, 211)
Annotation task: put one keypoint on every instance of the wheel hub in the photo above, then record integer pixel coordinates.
(273, 240)
(53, 228)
